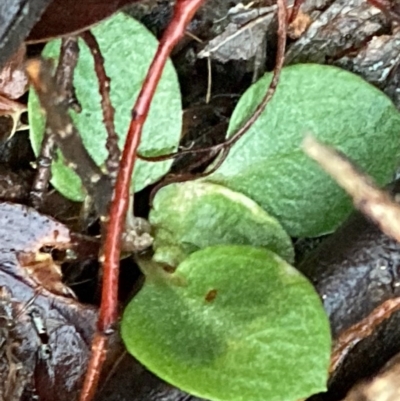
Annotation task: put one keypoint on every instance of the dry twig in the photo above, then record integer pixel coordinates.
(380, 208)
(383, 387)
(67, 138)
(375, 203)
(64, 78)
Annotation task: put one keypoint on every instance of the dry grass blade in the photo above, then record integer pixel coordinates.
(375, 203)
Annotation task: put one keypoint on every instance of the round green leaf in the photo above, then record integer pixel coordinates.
(128, 48)
(193, 215)
(243, 325)
(268, 165)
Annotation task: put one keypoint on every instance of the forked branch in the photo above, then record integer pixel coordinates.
(183, 13)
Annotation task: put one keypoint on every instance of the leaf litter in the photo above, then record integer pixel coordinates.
(44, 332)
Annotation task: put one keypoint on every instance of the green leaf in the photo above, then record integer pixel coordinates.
(128, 48)
(245, 325)
(191, 216)
(267, 164)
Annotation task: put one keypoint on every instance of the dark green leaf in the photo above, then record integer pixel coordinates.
(233, 323)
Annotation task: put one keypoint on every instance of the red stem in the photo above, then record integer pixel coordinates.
(183, 13)
(114, 154)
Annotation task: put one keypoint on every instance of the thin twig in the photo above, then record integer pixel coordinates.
(114, 154)
(43, 172)
(367, 197)
(69, 55)
(183, 13)
(64, 78)
(209, 80)
(225, 147)
(352, 336)
(280, 58)
(172, 179)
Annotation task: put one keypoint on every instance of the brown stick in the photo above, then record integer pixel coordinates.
(64, 78)
(367, 197)
(60, 125)
(69, 55)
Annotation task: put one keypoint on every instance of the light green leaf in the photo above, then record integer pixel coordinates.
(243, 326)
(268, 165)
(193, 215)
(128, 48)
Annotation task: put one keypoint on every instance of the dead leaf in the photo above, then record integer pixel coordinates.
(23, 232)
(44, 342)
(14, 186)
(44, 337)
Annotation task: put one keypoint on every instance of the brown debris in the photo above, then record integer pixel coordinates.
(12, 110)
(300, 24)
(23, 232)
(13, 84)
(42, 268)
(44, 337)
